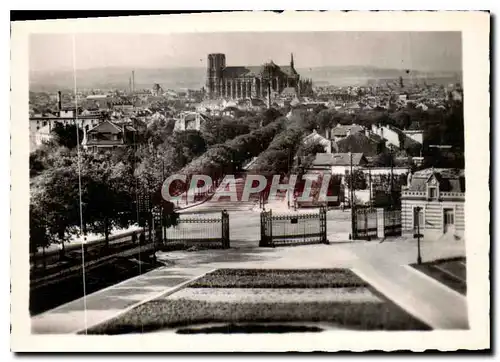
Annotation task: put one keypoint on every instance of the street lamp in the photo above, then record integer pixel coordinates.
(419, 256)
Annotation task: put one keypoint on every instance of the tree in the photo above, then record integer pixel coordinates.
(159, 130)
(65, 135)
(270, 115)
(188, 145)
(358, 180)
(108, 194)
(219, 130)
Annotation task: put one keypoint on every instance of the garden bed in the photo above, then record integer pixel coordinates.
(279, 278)
(451, 273)
(256, 297)
(175, 313)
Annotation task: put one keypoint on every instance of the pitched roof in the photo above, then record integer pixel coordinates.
(359, 142)
(106, 127)
(338, 159)
(256, 71)
(450, 180)
(343, 130)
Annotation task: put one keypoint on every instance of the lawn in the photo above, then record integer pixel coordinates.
(279, 278)
(235, 297)
(165, 314)
(451, 273)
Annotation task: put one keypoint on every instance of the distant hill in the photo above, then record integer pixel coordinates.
(194, 78)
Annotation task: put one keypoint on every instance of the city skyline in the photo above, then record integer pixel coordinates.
(421, 51)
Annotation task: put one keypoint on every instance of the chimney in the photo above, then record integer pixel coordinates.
(133, 81)
(59, 101)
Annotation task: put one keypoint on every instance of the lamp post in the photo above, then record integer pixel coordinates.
(419, 256)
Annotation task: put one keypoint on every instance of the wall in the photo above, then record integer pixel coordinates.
(388, 134)
(415, 135)
(433, 216)
(396, 171)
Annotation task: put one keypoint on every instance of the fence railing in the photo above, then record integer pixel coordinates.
(290, 229)
(200, 229)
(58, 264)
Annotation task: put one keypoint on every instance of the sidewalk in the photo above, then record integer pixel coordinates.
(107, 303)
(426, 299)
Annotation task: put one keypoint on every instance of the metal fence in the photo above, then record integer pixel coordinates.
(276, 230)
(59, 263)
(365, 223)
(392, 222)
(208, 230)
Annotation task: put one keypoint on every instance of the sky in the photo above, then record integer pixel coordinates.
(425, 51)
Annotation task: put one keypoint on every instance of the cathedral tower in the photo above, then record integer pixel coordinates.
(216, 62)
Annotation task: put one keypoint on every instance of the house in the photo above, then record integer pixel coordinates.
(362, 142)
(108, 135)
(190, 121)
(41, 136)
(230, 112)
(342, 131)
(328, 145)
(289, 93)
(403, 140)
(440, 195)
(338, 163)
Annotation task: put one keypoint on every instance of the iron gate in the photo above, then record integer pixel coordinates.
(392, 222)
(365, 223)
(208, 230)
(292, 229)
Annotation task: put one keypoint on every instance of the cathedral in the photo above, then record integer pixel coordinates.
(244, 82)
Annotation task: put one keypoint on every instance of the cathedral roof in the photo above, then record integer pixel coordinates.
(257, 71)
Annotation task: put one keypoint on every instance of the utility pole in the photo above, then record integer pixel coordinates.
(163, 227)
(392, 176)
(351, 190)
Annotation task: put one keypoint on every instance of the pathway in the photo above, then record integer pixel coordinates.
(75, 316)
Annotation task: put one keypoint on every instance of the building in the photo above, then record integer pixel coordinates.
(190, 121)
(340, 132)
(108, 135)
(42, 135)
(440, 195)
(338, 163)
(328, 145)
(41, 126)
(410, 141)
(239, 82)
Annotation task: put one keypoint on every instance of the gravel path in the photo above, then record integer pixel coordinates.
(287, 295)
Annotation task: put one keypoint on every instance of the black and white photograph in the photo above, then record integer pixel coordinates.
(294, 183)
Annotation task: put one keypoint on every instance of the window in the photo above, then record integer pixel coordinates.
(432, 192)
